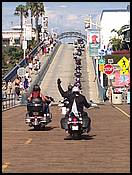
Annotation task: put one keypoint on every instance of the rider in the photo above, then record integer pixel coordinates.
(63, 93)
(36, 93)
(81, 102)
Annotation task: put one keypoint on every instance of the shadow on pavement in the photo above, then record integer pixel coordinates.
(83, 137)
(46, 128)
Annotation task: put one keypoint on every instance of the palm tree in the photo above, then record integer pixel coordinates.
(116, 43)
(37, 10)
(21, 11)
(30, 7)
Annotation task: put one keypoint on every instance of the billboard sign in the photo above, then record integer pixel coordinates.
(93, 42)
(28, 32)
(24, 45)
(120, 80)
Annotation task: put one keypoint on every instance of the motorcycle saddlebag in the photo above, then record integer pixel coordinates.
(63, 122)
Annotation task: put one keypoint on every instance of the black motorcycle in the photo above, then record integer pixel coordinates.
(38, 115)
(75, 125)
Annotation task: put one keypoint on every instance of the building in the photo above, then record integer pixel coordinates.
(125, 33)
(112, 19)
(12, 37)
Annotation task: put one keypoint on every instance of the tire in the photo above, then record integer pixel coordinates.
(76, 135)
(36, 127)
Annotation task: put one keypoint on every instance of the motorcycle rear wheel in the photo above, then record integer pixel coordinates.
(76, 135)
(36, 127)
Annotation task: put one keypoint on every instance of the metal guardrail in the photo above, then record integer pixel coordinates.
(11, 75)
(9, 101)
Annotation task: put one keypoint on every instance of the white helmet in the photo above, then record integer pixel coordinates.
(75, 89)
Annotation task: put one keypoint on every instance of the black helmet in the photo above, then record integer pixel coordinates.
(36, 88)
(70, 87)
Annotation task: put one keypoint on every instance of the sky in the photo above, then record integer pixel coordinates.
(62, 16)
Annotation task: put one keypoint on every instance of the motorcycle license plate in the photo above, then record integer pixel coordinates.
(75, 127)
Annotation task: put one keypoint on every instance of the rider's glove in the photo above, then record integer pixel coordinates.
(52, 99)
(58, 81)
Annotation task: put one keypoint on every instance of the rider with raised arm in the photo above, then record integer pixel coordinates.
(63, 93)
(81, 102)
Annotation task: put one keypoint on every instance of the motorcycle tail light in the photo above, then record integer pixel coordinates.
(35, 113)
(74, 120)
(44, 118)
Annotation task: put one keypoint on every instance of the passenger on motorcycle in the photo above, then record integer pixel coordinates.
(37, 94)
(62, 92)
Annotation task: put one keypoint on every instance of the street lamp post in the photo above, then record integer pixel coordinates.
(88, 25)
(24, 49)
(24, 38)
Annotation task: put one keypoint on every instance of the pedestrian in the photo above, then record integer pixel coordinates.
(39, 63)
(17, 86)
(45, 50)
(21, 86)
(27, 74)
(10, 86)
(42, 49)
(30, 66)
(26, 85)
(29, 81)
(109, 93)
(36, 67)
(51, 47)
(17, 81)
(26, 59)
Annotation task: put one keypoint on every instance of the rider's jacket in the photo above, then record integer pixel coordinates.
(64, 93)
(80, 101)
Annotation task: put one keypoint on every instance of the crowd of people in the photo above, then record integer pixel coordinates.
(34, 63)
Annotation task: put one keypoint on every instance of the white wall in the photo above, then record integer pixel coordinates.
(112, 20)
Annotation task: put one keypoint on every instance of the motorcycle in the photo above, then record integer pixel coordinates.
(37, 116)
(72, 120)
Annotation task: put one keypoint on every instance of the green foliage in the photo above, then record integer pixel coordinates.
(32, 43)
(11, 55)
(116, 44)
